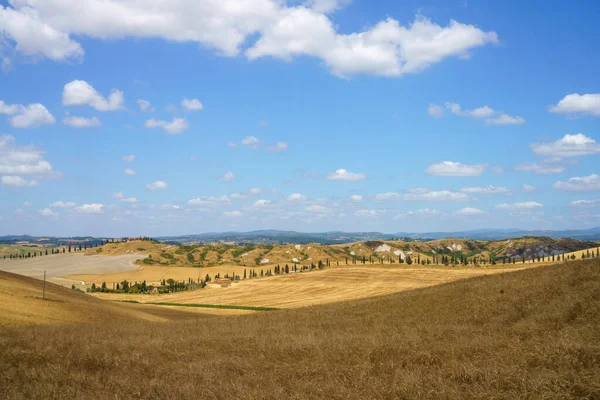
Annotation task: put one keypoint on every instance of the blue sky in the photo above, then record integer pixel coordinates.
(312, 116)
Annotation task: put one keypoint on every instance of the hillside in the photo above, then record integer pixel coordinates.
(207, 255)
(528, 334)
(21, 304)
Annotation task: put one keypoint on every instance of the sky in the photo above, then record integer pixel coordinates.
(125, 118)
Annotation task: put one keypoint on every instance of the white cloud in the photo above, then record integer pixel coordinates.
(527, 205)
(175, 127)
(426, 212)
(505, 119)
(491, 116)
(367, 213)
(129, 158)
(450, 168)
(129, 200)
(255, 191)
(343, 175)
(18, 160)
(27, 204)
(528, 188)
(90, 208)
(586, 203)
(209, 200)
(233, 214)
(46, 212)
(158, 185)
(280, 146)
(549, 166)
(231, 144)
(130, 172)
(486, 190)
(261, 203)
(497, 169)
(251, 192)
(228, 176)
(192, 104)
(32, 116)
(296, 197)
(579, 184)
(118, 195)
(318, 209)
(81, 93)
(263, 123)
(44, 29)
(251, 142)
(62, 204)
(145, 106)
(481, 112)
(356, 198)
(17, 181)
(469, 211)
(578, 104)
(433, 195)
(435, 111)
(568, 146)
(422, 194)
(81, 122)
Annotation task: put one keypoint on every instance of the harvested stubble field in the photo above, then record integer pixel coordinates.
(533, 333)
(303, 289)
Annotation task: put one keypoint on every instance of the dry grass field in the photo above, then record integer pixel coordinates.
(21, 304)
(294, 290)
(533, 333)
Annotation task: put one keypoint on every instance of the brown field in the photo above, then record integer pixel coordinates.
(21, 304)
(303, 289)
(533, 333)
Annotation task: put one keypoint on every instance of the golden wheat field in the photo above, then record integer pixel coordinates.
(303, 289)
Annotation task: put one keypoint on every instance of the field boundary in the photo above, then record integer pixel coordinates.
(223, 306)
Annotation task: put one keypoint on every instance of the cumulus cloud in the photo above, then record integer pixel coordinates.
(258, 28)
(46, 212)
(579, 184)
(450, 168)
(425, 212)
(279, 146)
(17, 181)
(209, 200)
(261, 203)
(317, 208)
(527, 205)
(578, 104)
(17, 161)
(486, 190)
(491, 116)
(586, 203)
(368, 213)
(435, 111)
(90, 208)
(233, 214)
(469, 211)
(81, 122)
(145, 106)
(29, 116)
(344, 175)
(505, 119)
(63, 204)
(296, 197)
(81, 93)
(158, 185)
(228, 176)
(130, 172)
(251, 142)
(175, 127)
(129, 158)
(422, 194)
(568, 146)
(528, 188)
(251, 192)
(192, 104)
(356, 198)
(128, 200)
